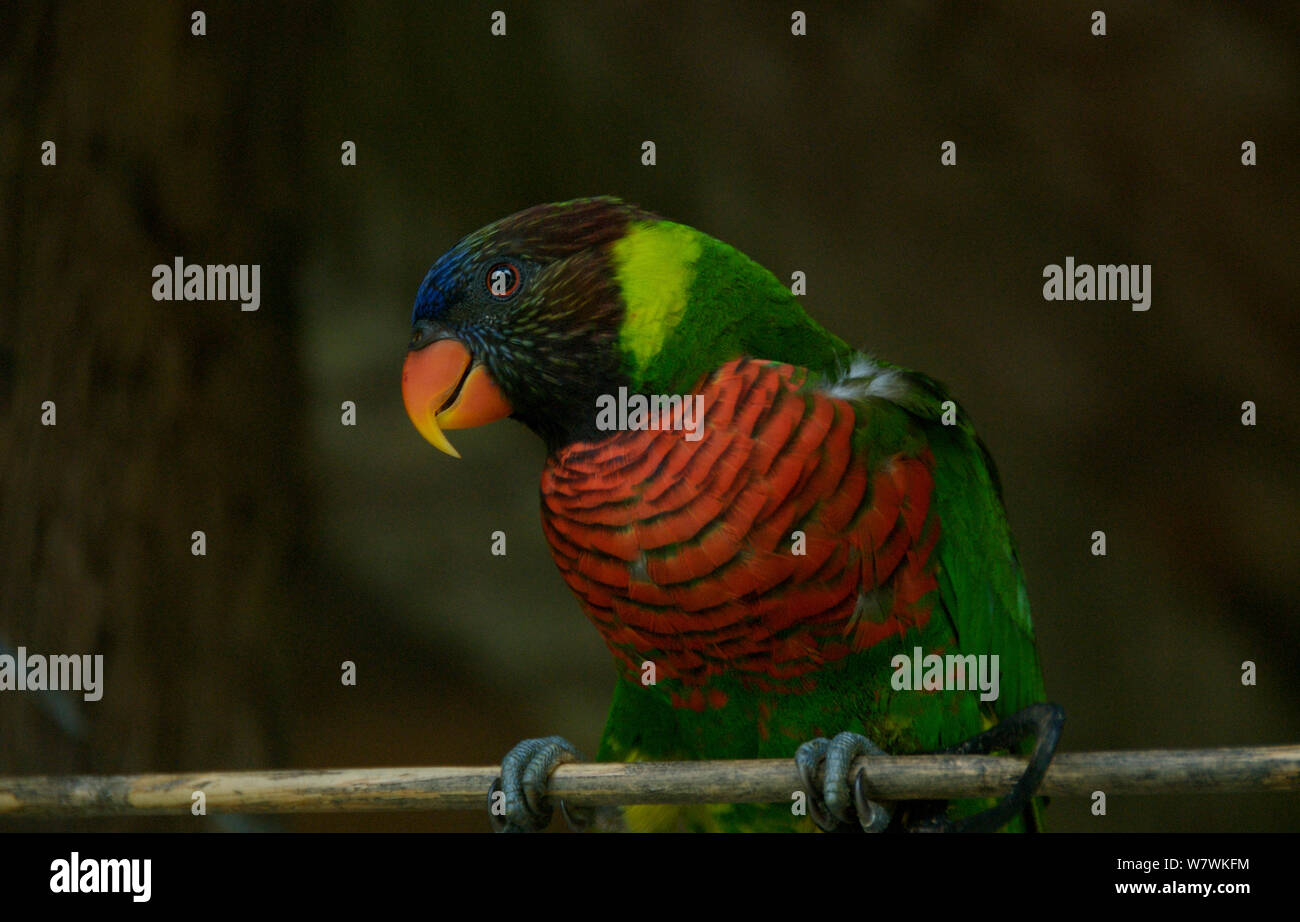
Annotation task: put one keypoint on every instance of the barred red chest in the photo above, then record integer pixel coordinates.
(684, 553)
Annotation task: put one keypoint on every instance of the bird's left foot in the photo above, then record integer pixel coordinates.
(843, 806)
(517, 800)
(1042, 721)
(840, 806)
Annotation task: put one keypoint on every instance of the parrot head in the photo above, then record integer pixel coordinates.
(535, 316)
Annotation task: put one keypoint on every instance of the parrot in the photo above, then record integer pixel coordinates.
(771, 530)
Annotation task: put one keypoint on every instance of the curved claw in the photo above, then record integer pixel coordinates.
(525, 774)
(844, 748)
(873, 816)
(836, 807)
(808, 759)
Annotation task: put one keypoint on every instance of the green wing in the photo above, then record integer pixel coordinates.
(982, 595)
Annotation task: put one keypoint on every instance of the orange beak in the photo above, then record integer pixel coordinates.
(443, 388)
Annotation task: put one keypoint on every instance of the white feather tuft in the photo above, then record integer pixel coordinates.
(865, 378)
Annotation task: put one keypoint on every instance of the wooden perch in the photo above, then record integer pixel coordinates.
(1196, 771)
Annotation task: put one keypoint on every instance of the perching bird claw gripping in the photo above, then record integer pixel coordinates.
(1044, 721)
(829, 809)
(517, 800)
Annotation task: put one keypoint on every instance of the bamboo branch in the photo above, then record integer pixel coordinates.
(1197, 771)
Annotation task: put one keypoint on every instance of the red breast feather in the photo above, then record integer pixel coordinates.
(681, 551)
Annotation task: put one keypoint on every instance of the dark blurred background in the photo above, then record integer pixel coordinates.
(818, 153)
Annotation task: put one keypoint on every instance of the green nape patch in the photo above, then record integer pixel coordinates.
(695, 303)
(654, 263)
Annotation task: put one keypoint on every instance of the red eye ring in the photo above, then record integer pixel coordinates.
(513, 280)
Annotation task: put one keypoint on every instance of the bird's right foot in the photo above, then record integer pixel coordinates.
(517, 800)
(840, 805)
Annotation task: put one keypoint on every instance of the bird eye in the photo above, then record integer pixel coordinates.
(503, 280)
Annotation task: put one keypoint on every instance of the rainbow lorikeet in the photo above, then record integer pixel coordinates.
(767, 527)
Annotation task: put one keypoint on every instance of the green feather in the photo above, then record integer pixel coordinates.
(735, 307)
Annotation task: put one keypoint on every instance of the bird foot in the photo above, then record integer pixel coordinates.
(1043, 721)
(840, 806)
(517, 800)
